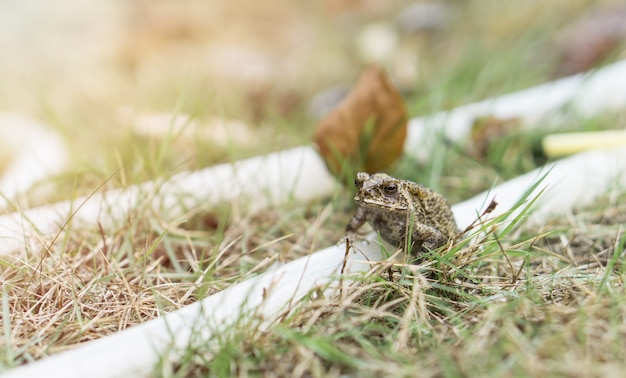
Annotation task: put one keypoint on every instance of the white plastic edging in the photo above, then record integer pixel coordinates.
(136, 351)
(569, 183)
(39, 152)
(586, 94)
(298, 174)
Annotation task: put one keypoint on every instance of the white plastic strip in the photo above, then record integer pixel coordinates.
(298, 174)
(586, 94)
(569, 183)
(38, 152)
(136, 351)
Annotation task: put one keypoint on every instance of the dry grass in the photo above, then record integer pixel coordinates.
(539, 301)
(94, 282)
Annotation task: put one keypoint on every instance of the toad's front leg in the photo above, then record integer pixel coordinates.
(355, 223)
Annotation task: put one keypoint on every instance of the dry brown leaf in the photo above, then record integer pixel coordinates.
(367, 130)
(486, 131)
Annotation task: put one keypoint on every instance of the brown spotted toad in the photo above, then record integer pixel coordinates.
(388, 204)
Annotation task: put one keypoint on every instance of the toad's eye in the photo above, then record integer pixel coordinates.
(390, 189)
(357, 183)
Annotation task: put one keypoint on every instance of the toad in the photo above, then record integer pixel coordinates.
(393, 207)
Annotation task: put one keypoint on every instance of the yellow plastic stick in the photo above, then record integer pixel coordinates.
(555, 145)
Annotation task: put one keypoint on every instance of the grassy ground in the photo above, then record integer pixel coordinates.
(527, 302)
(531, 302)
